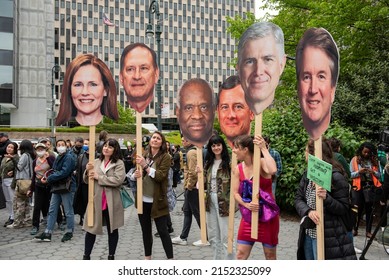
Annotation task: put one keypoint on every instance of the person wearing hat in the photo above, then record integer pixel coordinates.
(42, 163)
(47, 143)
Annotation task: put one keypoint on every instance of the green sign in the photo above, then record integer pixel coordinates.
(320, 172)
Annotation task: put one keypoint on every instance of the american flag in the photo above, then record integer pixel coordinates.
(107, 21)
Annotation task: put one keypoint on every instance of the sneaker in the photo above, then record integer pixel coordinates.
(67, 236)
(156, 234)
(199, 243)
(357, 251)
(44, 236)
(177, 240)
(34, 231)
(9, 222)
(14, 226)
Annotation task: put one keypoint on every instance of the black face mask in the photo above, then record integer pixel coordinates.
(78, 148)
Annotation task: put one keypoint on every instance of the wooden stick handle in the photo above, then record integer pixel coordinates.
(139, 181)
(319, 208)
(256, 175)
(91, 181)
(231, 215)
(200, 180)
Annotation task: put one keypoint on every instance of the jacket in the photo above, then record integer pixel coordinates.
(111, 181)
(338, 244)
(357, 180)
(63, 167)
(160, 205)
(223, 183)
(24, 167)
(7, 165)
(190, 172)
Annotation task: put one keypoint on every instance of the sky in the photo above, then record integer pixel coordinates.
(258, 13)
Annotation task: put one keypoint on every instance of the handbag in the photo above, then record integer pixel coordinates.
(268, 208)
(126, 198)
(62, 186)
(23, 185)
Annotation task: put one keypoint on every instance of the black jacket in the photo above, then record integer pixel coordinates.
(338, 244)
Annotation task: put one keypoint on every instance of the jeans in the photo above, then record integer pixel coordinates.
(191, 207)
(310, 248)
(9, 194)
(218, 231)
(55, 202)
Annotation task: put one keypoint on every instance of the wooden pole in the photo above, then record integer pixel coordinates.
(91, 181)
(319, 209)
(200, 180)
(256, 174)
(231, 215)
(139, 181)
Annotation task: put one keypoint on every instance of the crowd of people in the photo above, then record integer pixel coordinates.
(47, 166)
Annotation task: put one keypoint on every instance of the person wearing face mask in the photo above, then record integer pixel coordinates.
(77, 148)
(43, 162)
(63, 168)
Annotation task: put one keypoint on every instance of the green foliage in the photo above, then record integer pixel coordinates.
(173, 137)
(126, 116)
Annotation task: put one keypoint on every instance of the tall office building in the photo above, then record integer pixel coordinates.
(194, 43)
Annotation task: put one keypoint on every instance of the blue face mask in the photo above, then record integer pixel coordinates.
(85, 148)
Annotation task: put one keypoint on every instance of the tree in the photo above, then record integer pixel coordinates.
(360, 29)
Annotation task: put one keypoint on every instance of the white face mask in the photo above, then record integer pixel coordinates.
(40, 153)
(61, 149)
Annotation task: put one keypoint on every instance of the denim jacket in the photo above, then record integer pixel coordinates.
(63, 167)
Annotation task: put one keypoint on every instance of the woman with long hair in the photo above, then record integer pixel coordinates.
(337, 240)
(7, 172)
(218, 178)
(365, 176)
(155, 163)
(88, 92)
(108, 173)
(21, 202)
(267, 231)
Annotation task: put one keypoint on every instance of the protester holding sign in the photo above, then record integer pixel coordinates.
(88, 92)
(108, 173)
(267, 231)
(338, 244)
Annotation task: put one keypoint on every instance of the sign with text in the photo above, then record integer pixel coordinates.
(320, 172)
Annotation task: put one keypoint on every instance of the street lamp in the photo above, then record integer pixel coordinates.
(154, 9)
(56, 69)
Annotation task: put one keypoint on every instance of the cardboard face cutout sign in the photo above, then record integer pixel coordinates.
(138, 75)
(196, 111)
(261, 61)
(234, 114)
(86, 95)
(317, 68)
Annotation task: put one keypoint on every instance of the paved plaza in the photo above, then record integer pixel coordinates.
(18, 244)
